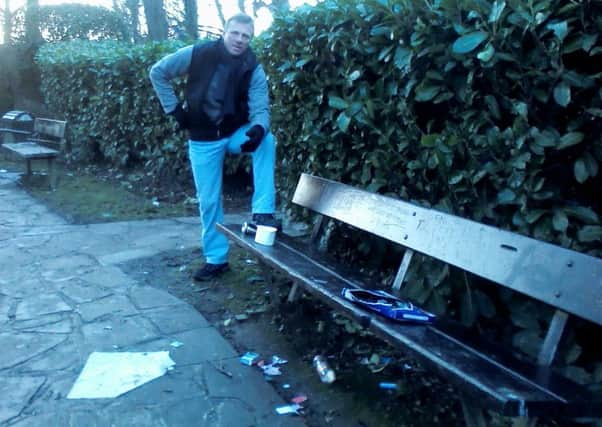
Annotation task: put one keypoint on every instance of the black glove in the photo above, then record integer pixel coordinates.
(181, 117)
(255, 135)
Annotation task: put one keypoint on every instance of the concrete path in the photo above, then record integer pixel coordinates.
(63, 297)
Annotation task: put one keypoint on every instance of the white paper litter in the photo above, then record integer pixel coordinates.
(108, 375)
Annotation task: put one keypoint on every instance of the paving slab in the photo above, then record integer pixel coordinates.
(63, 296)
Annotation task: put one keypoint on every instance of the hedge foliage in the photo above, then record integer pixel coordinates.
(103, 90)
(488, 110)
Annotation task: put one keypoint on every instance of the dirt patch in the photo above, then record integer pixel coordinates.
(254, 316)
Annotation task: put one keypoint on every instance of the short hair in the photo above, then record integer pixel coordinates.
(241, 18)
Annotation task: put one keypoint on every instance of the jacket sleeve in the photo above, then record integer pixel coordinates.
(259, 102)
(164, 71)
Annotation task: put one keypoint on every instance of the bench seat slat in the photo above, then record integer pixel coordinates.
(485, 377)
(540, 270)
(30, 150)
(17, 131)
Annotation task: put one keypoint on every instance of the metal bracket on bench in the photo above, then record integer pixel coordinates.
(403, 269)
(553, 336)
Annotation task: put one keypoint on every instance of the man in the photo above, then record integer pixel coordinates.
(227, 111)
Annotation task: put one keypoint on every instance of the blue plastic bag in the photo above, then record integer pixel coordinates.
(388, 305)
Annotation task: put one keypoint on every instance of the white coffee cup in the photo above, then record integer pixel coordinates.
(265, 235)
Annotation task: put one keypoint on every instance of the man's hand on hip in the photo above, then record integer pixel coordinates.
(255, 135)
(181, 117)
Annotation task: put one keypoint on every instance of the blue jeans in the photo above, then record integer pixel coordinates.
(206, 160)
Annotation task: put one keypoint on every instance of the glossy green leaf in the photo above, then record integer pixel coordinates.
(486, 54)
(570, 139)
(337, 102)
(506, 196)
(560, 221)
(343, 121)
(469, 42)
(580, 170)
(562, 94)
(590, 233)
(496, 11)
(560, 29)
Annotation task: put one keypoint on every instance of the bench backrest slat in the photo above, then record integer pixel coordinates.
(48, 127)
(568, 280)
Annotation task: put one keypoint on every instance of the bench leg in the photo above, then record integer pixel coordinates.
(292, 295)
(28, 167)
(473, 416)
(51, 174)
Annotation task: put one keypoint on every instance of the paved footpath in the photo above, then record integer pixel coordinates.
(63, 297)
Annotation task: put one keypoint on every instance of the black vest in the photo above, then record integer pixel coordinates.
(205, 58)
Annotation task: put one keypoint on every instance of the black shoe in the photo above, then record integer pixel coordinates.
(268, 220)
(210, 271)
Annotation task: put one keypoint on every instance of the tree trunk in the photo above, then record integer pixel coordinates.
(220, 12)
(134, 21)
(191, 18)
(32, 22)
(7, 26)
(156, 19)
(241, 5)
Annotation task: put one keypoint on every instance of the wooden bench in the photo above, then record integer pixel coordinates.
(570, 282)
(45, 143)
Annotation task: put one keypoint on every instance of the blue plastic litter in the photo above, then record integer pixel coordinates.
(388, 305)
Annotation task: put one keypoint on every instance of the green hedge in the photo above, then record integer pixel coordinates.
(103, 90)
(488, 110)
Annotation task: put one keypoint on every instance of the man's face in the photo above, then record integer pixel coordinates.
(237, 37)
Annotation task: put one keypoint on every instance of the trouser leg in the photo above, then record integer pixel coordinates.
(264, 158)
(206, 160)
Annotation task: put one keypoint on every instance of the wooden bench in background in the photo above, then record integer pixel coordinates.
(45, 143)
(488, 377)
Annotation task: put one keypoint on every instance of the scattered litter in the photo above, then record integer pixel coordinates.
(407, 367)
(320, 281)
(228, 321)
(176, 344)
(108, 375)
(249, 358)
(278, 360)
(3, 171)
(325, 372)
(387, 386)
(271, 370)
(116, 347)
(387, 305)
(255, 279)
(108, 328)
(286, 386)
(156, 203)
(258, 310)
(241, 317)
(206, 288)
(182, 268)
(250, 261)
(289, 409)
(299, 399)
(220, 368)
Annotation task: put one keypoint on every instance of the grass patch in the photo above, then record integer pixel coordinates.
(92, 195)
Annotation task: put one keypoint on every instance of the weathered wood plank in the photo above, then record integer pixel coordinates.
(560, 277)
